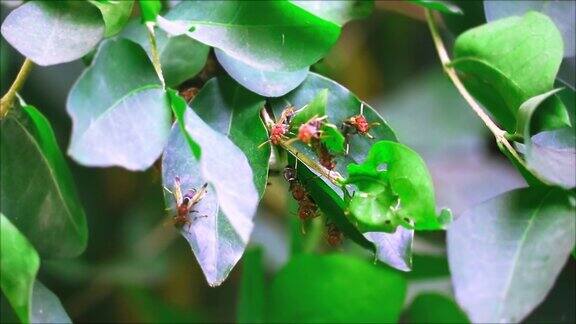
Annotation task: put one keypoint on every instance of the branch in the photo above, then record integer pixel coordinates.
(499, 134)
(8, 99)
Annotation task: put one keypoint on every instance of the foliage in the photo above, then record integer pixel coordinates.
(222, 125)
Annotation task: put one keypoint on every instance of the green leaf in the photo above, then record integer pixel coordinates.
(51, 33)
(46, 307)
(251, 302)
(149, 9)
(394, 188)
(394, 249)
(331, 205)
(181, 57)
(338, 12)
(219, 239)
(561, 12)
(506, 253)
(19, 265)
(267, 35)
(341, 104)
(439, 5)
(527, 110)
(115, 14)
(434, 308)
(262, 82)
(235, 112)
(509, 61)
(552, 156)
(34, 171)
(334, 289)
(315, 108)
(333, 138)
(120, 113)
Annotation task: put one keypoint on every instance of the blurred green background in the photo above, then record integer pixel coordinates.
(137, 269)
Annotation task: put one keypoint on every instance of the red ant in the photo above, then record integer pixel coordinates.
(189, 93)
(307, 208)
(280, 128)
(186, 203)
(310, 130)
(334, 236)
(324, 157)
(357, 125)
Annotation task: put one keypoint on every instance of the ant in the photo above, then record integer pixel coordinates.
(189, 93)
(307, 208)
(334, 236)
(310, 130)
(357, 125)
(324, 157)
(280, 128)
(186, 203)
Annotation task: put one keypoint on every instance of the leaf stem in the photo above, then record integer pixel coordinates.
(499, 134)
(154, 50)
(8, 99)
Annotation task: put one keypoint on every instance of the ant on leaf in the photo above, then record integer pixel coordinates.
(185, 203)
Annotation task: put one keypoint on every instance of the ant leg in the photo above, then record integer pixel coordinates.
(197, 217)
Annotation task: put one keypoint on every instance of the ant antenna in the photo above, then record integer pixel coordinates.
(361, 107)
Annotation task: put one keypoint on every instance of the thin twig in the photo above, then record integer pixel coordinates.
(8, 99)
(499, 134)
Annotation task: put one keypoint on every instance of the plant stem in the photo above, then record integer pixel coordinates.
(499, 134)
(8, 99)
(333, 176)
(154, 50)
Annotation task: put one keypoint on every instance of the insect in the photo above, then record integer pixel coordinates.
(334, 236)
(307, 208)
(189, 93)
(357, 124)
(280, 128)
(324, 157)
(310, 130)
(185, 203)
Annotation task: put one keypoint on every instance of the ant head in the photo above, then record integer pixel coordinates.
(289, 174)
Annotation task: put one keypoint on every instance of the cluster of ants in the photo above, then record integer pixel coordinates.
(310, 134)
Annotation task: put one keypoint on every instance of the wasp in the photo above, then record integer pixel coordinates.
(185, 203)
(357, 124)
